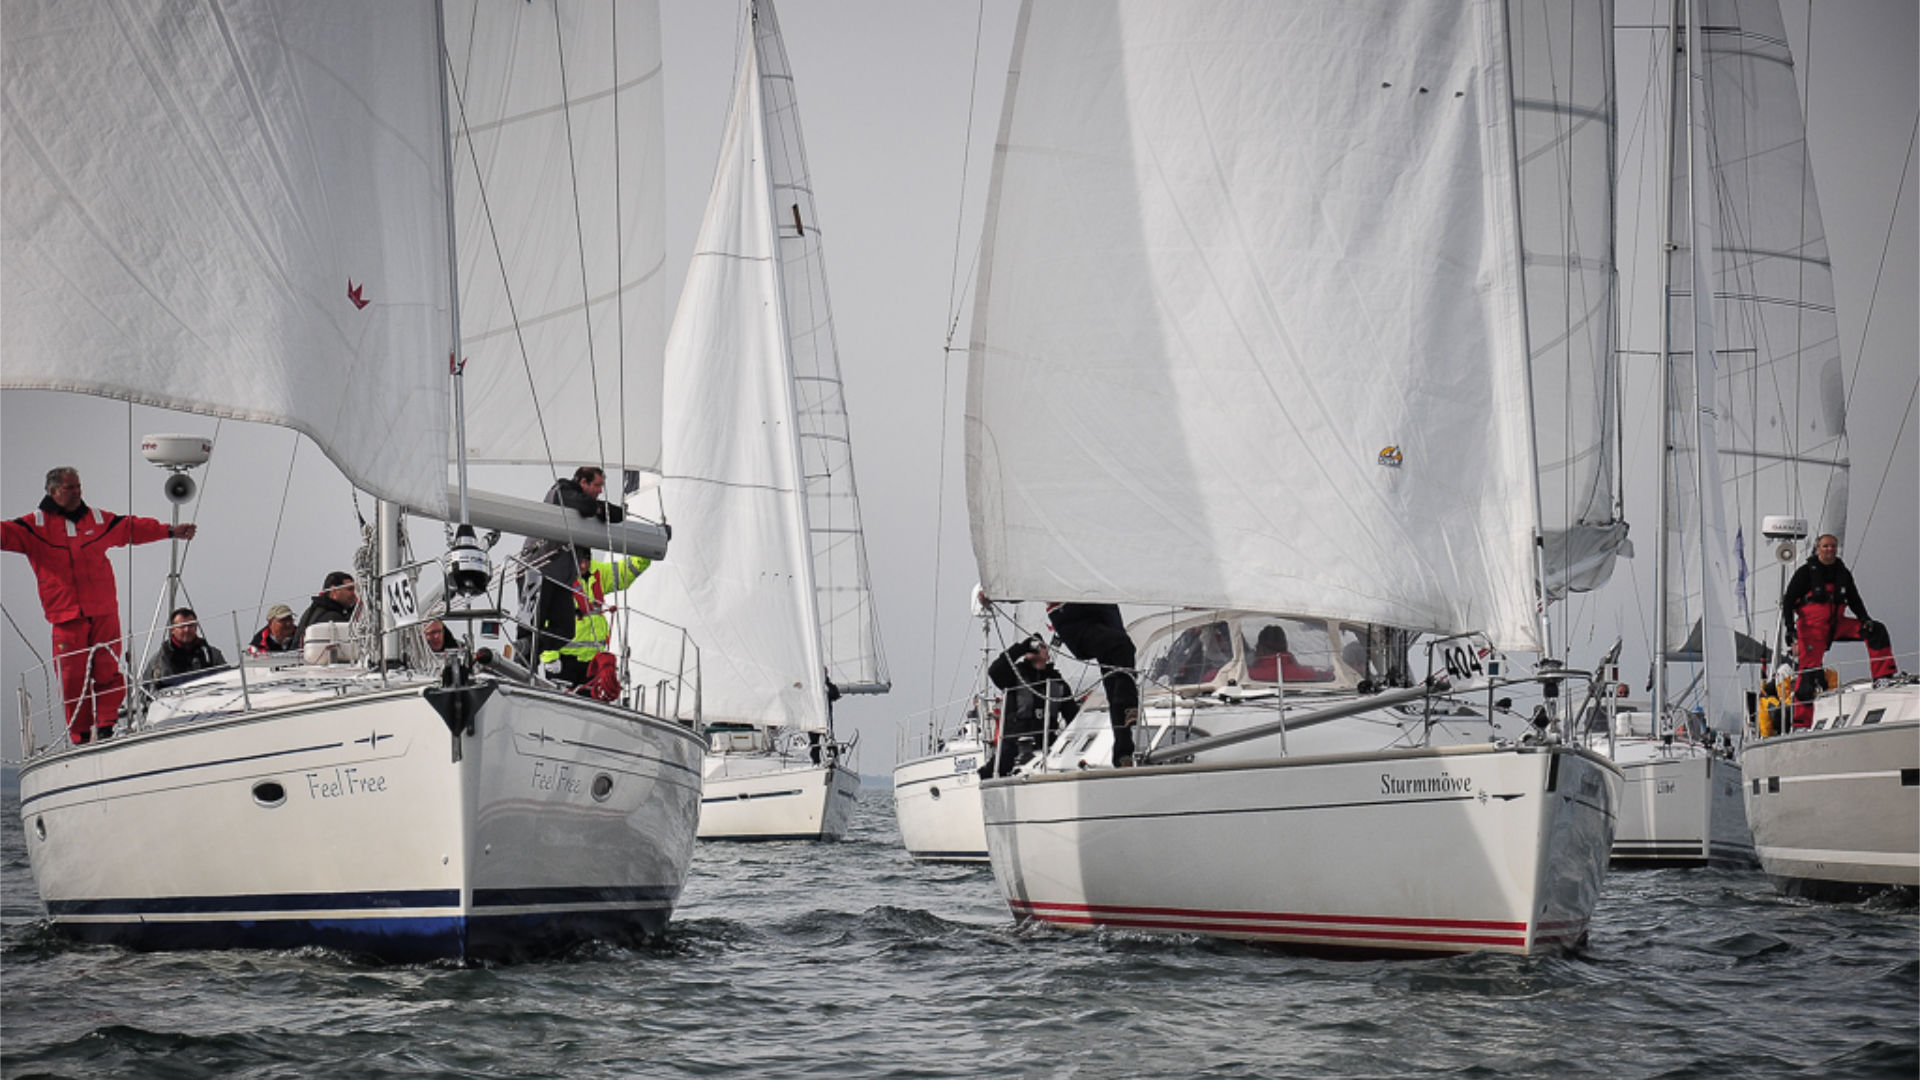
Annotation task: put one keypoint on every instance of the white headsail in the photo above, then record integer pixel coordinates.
(774, 589)
(265, 240)
(1260, 339)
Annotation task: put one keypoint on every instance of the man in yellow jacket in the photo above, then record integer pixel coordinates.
(597, 581)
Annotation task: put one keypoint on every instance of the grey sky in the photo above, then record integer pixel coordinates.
(884, 87)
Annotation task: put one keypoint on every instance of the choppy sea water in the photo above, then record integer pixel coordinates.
(851, 960)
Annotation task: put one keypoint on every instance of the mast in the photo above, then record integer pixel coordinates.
(466, 563)
(1666, 372)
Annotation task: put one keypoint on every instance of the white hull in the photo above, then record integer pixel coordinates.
(754, 796)
(1389, 853)
(366, 823)
(1836, 810)
(1681, 807)
(936, 800)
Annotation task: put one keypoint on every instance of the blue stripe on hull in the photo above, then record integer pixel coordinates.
(623, 916)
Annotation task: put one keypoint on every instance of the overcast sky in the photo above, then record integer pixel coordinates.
(884, 90)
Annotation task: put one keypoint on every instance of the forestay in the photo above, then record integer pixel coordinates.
(235, 210)
(559, 186)
(1250, 329)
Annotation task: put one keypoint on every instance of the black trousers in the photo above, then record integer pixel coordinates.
(1096, 634)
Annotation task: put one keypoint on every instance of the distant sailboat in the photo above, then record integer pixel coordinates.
(771, 576)
(1304, 309)
(255, 212)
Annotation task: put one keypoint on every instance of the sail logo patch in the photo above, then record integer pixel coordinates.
(1390, 458)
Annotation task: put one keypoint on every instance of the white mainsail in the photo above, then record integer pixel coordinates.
(559, 189)
(774, 589)
(269, 242)
(1258, 341)
(214, 254)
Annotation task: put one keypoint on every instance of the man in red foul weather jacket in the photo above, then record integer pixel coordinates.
(66, 541)
(1818, 599)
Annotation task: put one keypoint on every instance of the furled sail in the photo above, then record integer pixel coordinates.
(1772, 384)
(774, 591)
(1250, 329)
(235, 210)
(559, 186)
(1698, 555)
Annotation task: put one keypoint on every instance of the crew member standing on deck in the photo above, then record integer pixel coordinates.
(1818, 598)
(66, 542)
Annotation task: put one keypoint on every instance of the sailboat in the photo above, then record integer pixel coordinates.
(776, 592)
(1297, 316)
(1834, 809)
(936, 784)
(277, 211)
(1684, 804)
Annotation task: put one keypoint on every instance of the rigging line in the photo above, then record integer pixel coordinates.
(966, 161)
(580, 249)
(953, 321)
(1880, 271)
(1884, 473)
(493, 233)
(279, 520)
(619, 275)
(23, 636)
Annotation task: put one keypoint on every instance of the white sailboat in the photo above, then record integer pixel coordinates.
(775, 591)
(255, 212)
(936, 784)
(1834, 810)
(1304, 309)
(1683, 804)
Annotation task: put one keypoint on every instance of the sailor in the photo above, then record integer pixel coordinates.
(1038, 702)
(339, 594)
(546, 603)
(279, 635)
(1096, 634)
(1817, 600)
(66, 542)
(572, 662)
(183, 653)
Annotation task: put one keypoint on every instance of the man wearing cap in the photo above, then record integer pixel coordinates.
(279, 635)
(335, 601)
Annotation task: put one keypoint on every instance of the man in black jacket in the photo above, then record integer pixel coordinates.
(546, 587)
(1817, 600)
(335, 601)
(182, 653)
(1038, 702)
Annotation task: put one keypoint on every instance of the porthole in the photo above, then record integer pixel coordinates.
(602, 787)
(935, 792)
(269, 793)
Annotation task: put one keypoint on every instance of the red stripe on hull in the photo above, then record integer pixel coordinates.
(1364, 931)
